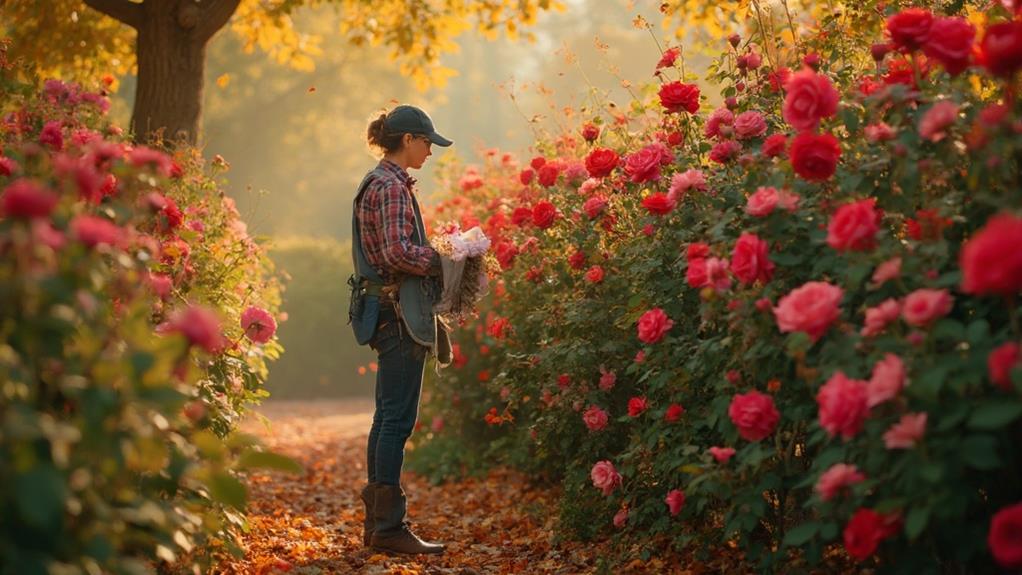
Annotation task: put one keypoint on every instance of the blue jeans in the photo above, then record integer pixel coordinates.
(398, 385)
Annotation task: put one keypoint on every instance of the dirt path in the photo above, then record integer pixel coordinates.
(312, 524)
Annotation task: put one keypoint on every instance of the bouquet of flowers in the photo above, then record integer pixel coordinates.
(465, 261)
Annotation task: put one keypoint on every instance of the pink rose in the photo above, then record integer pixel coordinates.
(258, 324)
(750, 261)
(839, 477)
(907, 432)
(636, 406)
(724, 152)
(653, 325)
(682, 182)
(749, 124)
(94, 231)
(52, 135)
(811, 308)
(991, 261)
(879, 132)
(717, 275)
(644, 165)
(810, 98)
(607, 379)
(887, 271)
(28, 199)
(854, 226)
(719, 123)
(161, 285)
(887, 381)
(722, 454)
(1005, 537)
(754, 414)
(788, 200)
(935, 122)
(924, 306)
(843, 405)
(605, 477)
(675, 500)
(762, 202)
(1001, 362)
(595, 206)
(199, 325)
(8, 166)
(621, 517)
(595, 418)
(878, 317)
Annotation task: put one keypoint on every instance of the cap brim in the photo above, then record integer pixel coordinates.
(439, 140)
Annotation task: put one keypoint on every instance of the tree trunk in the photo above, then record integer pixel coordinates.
(171, 62)
(171, 51)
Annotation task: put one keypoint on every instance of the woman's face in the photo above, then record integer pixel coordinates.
(418, 148)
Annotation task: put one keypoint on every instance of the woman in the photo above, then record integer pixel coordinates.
(397, 271)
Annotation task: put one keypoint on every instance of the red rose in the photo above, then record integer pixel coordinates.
(754, 414)
(594, 275)
(548, 175)
(590, 132)
(544, 214)
(674, 411)
(522, 216)
(505, 253)
(677, 97)
(537, 162)
(750, 261)
(594, 206)
(810, 98)
(1001, 362)
(991, 261)
(697, 275)
(854, 226)
(27, 199)
(601, 162)
(636, 406)
(525, 177)
(94, 230)
(1000, 51)
(199, 325)
(774, 145)
(658, 203)
(866, 530)
(950, 43)
(653, 325)
(668, 58)
(697, 250)
(1005, 538)
(814, 157)
(577, 260)
(910, 28)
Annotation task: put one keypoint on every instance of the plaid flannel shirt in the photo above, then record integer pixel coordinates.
(386, 222)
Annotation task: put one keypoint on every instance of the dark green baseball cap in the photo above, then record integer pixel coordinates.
(406, 119)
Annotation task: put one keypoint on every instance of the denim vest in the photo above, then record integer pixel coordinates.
(416, 294)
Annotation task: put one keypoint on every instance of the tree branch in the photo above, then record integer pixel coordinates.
(124, 11)
(215, 14)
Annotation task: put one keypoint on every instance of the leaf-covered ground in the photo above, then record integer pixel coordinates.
(313, 523)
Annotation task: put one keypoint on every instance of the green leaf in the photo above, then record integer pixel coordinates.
(226, 489)
(801, 534)
(977, 331)
(916, 521)
(995, 415)
(949, 329)
(39, 496)
(980, 452)
(269, 460)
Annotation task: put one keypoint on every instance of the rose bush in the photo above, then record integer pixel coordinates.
(138, 320)
(832, 302)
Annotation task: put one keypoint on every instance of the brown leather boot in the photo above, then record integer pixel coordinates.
(391, 533)
(368, 496)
